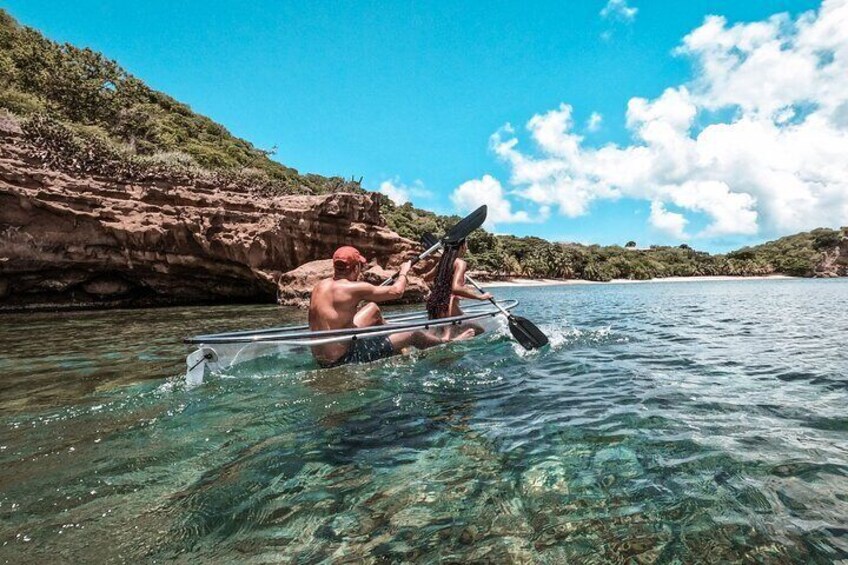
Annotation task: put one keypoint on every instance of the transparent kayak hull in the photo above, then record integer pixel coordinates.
(226, 352)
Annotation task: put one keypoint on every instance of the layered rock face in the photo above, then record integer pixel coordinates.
(834, 261)
(79, 241)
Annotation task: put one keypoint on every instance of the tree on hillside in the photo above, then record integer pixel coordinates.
(92, 95)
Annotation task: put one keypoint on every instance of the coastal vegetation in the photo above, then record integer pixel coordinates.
(505, 255)
(87, 115)
(90, 115)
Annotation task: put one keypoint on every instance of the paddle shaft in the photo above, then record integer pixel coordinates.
(531, 337)
(457, 233)
(522, 329)
(492, 300)
(471, 281)
(428, 237)
(428, 252)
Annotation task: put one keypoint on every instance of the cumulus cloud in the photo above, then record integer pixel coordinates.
(619, 9)
(400, 193)
(472, 194)
(669, 223)
(594, 122)
(397, 194)
(755, 144)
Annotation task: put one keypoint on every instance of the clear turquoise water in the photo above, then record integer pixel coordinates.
(674, 422)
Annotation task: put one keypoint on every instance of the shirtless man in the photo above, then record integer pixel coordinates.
(334, 304)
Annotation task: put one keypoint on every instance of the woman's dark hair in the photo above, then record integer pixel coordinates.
(440, 294)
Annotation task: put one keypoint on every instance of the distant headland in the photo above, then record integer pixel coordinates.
(115, 195)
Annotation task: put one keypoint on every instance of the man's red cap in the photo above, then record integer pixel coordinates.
(347, 256)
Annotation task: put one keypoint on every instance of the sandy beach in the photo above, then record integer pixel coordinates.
(556, 282)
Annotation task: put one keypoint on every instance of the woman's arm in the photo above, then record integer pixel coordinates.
(460, 288)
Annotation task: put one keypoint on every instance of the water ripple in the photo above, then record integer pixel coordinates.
(666, 423)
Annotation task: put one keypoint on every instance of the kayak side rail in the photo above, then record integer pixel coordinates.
(382, 331)
(285, 334)
(394, 318)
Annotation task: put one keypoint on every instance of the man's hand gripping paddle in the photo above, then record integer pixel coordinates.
(458, 232)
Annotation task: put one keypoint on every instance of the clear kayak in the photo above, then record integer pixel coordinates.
(224, 352)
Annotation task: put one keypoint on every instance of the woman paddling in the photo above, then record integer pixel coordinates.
(449, 283)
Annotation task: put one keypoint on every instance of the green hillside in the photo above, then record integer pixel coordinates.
(90, 114)
(796, 255)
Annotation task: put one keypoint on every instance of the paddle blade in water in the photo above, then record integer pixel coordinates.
(526, 333)
(467, 225)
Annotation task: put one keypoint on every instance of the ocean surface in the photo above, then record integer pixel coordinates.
(668, 422)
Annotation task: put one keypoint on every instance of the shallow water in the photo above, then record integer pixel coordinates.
(677, 422)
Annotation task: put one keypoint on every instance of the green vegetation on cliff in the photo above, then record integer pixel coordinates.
(804, 254)
(91, 115)
(86, 114)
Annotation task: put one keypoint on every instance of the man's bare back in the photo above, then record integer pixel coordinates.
(334, 305)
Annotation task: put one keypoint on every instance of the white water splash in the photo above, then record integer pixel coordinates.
(561, 336)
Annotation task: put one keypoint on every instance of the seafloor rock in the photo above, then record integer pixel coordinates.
(86, 241)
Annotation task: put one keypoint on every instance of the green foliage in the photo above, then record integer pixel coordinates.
(744, 254)
(798, 254)
(88, 96)
(824, 239)
(506, 255)
(84, 113)
(412, 222)
(19, 102)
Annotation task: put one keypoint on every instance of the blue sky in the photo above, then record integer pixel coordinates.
(411, 93)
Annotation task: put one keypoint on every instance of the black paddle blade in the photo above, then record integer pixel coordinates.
(526, 333)
(467, 225)
(523, 330)
(429, 240)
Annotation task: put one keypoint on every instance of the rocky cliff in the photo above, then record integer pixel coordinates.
(74, 240)
(834, 261)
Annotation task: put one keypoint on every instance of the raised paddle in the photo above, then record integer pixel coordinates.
(458, 232)
(523, 330)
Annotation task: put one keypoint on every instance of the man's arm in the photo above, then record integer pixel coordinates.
(430, 275)
(367, 291)
(459, 287)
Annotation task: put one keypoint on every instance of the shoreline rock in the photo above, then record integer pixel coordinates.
(72, 241)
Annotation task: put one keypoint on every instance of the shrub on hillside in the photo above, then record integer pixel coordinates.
(82, 89)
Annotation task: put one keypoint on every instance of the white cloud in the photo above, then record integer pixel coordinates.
(472, 194)
(400, 193)
(756, 143)
(396, 193)
(594, 122)
(619, 9)
(669, 223)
